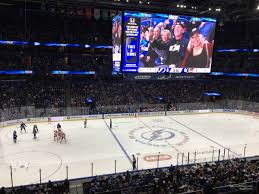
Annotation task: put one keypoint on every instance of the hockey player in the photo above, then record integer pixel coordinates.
(134, 162)
(62, 136)
(34, 132)
(55, 135)
(58, 126)
(22, 126)
(85, 123)
(14, 136)
(36, 128)
(110, 123)
(49, 119)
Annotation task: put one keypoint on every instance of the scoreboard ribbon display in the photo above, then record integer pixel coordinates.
(131, 46)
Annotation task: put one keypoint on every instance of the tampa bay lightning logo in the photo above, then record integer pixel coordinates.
(164, 70)
(157, 135)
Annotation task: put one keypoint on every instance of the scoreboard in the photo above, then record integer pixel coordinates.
(164, 43)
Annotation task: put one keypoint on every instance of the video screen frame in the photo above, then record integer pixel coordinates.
(164, 43)
(117, 43)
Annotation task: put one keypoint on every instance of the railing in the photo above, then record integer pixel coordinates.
(38, 174)
(150, 188)
(250, 186)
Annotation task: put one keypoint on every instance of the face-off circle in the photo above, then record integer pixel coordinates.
(158, 136)
(28, 163)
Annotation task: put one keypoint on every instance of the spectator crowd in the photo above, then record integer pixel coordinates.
(225, 177)
(202, 177)
(59, 94)
(39, 98)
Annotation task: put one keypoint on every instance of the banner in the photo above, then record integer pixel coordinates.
(97, 14)
(57, 118)
(105, 14)
(88, 13)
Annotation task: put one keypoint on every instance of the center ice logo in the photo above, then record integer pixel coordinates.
(157, 135)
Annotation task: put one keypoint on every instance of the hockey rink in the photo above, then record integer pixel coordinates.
(98, 149)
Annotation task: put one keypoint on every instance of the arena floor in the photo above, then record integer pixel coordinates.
(97, 147)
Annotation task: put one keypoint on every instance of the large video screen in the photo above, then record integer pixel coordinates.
(163, 43)
(116, 41)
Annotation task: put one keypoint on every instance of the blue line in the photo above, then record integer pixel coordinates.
(202, 135)
(122, 148)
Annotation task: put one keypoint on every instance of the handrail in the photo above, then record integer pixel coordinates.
(234, 185)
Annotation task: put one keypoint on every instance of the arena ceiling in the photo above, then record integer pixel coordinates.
(229, 9)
